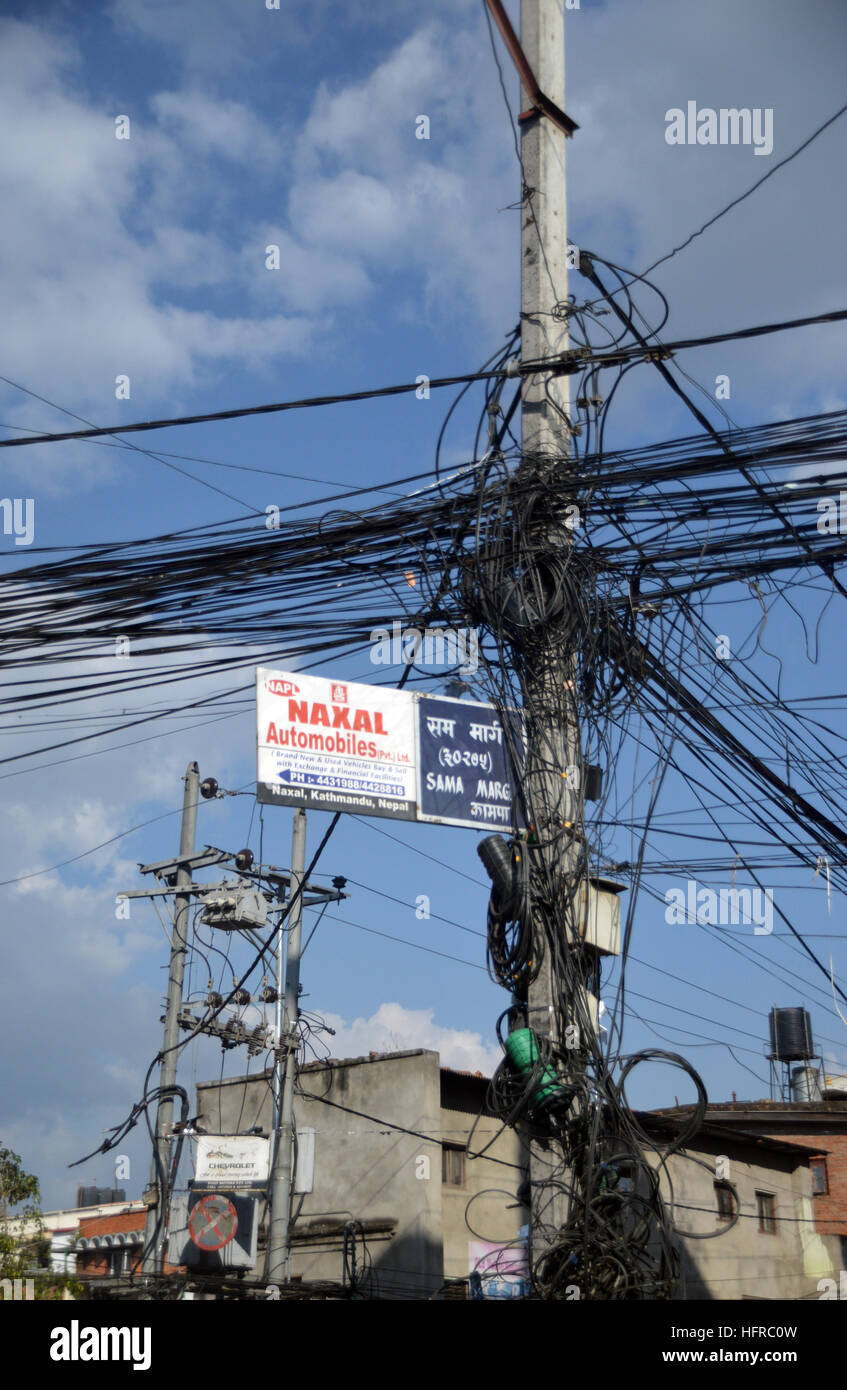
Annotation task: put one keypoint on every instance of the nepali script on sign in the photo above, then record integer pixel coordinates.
(466, 763)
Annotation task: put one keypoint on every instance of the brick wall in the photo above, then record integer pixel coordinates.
(96, 1262)
(831, 1207)
(114, 1224)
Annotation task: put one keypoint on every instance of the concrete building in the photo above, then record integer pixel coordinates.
(386, 1168)
(817, 1128)
(391, 1136)
(61, 1228)
(768, 1247)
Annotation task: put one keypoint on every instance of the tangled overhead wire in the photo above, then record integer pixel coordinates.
(586, 576)
(570, 641)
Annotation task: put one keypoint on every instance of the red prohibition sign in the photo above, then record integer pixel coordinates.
(213, 1222)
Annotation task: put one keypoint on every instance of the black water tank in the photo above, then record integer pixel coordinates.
(791, 1035)
(99, 1196)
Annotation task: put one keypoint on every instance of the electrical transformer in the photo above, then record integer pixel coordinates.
(233, 907)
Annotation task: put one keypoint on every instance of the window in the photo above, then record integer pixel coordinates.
(766, 1205)
(820, 1178)
(726, 1202)
(453, 1165)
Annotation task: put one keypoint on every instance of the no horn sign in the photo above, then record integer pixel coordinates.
(213, 1222)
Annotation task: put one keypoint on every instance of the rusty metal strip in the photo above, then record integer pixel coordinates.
(543, 105)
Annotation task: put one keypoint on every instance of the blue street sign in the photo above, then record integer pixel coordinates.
(466, 760)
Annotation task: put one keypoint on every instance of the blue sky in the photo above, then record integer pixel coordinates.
(146, 257)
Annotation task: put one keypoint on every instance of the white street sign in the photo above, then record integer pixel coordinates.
(335, 746)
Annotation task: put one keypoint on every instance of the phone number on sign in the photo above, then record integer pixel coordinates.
(352, 784)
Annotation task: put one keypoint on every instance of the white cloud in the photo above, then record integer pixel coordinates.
(394, 1028)
(213, 125)
(83, 986)
(310, 279)
(109, 237)
(217, 40)
(367, 188)
(631, 192)
(207, 38)
(101, 266)
(371, 122)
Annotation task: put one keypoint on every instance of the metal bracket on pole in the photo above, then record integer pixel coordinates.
(543, 106)
(203, 860)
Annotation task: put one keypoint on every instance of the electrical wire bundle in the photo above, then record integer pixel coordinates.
(587, 576)
(510, 943)
(582, 626)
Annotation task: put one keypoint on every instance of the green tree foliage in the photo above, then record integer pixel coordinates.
(24, 1246)
(20, 1202)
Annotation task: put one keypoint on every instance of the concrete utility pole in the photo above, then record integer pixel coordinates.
(549, 687)
(282, 1178)
(156, 1234)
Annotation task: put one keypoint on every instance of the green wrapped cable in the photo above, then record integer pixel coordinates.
(522, 1051)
